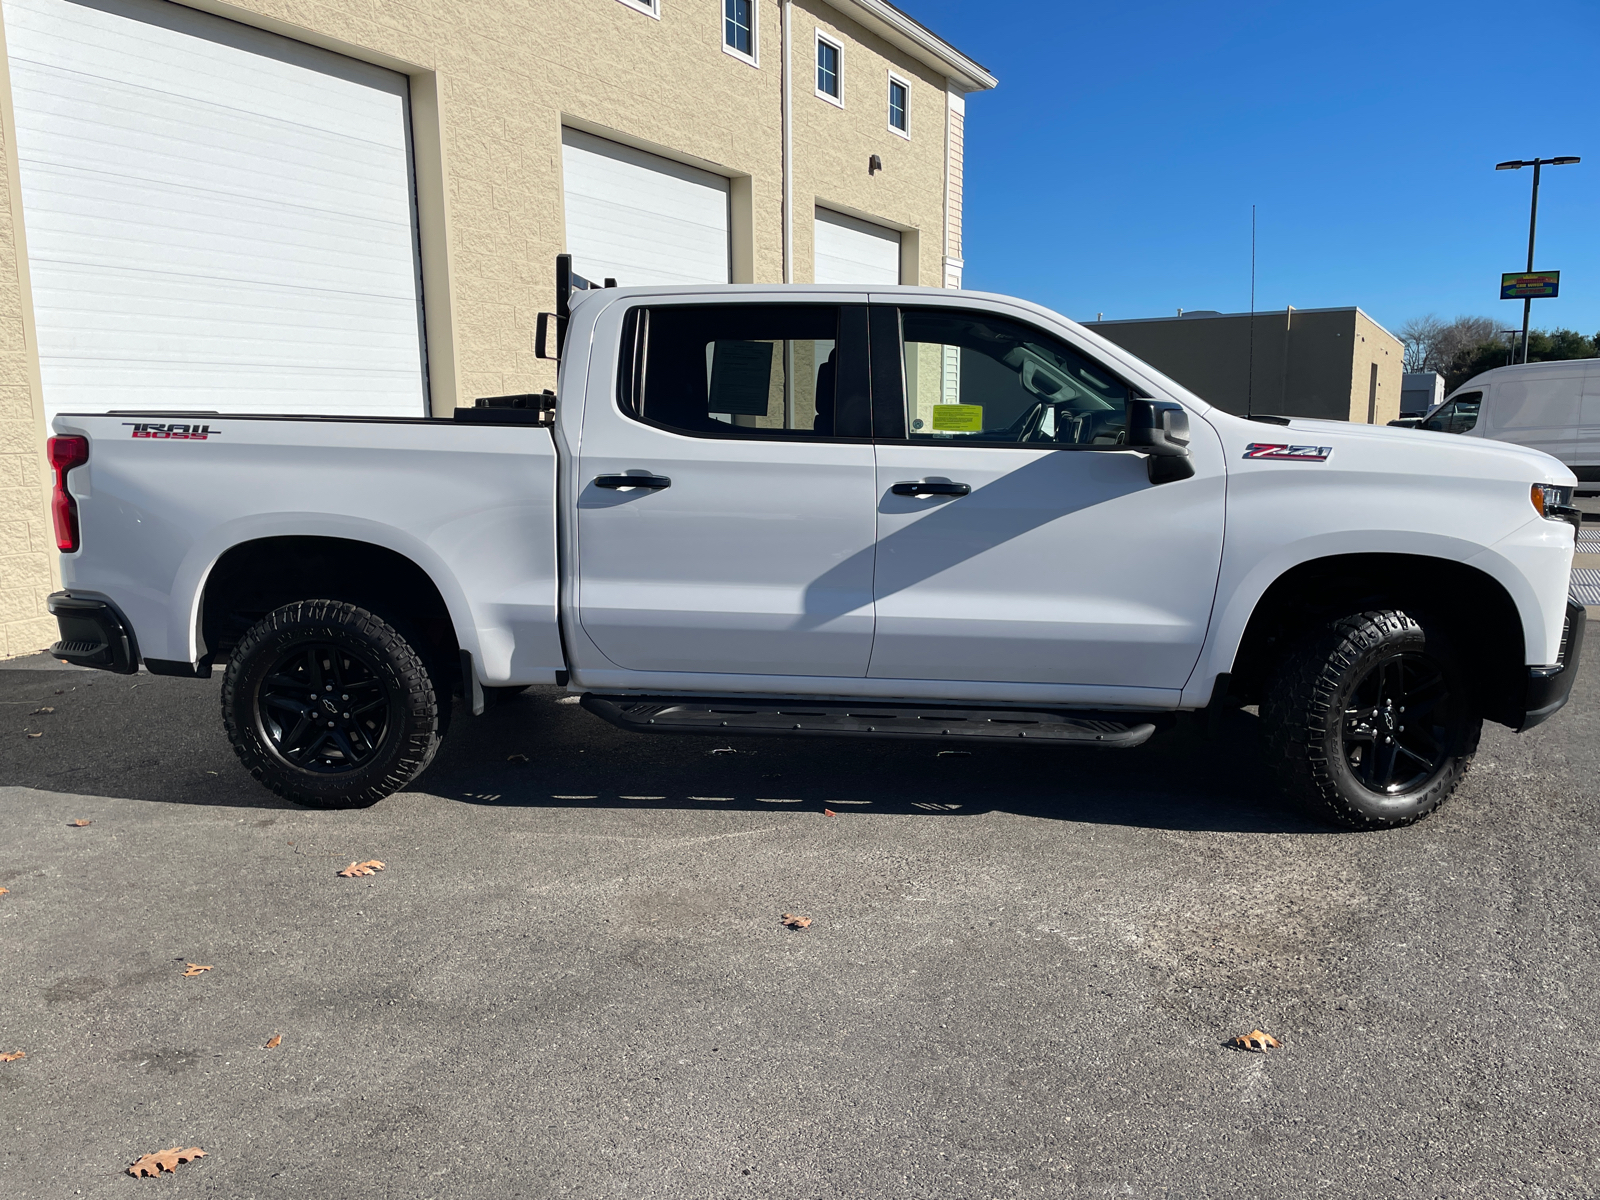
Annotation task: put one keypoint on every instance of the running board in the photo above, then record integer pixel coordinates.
(836, 718)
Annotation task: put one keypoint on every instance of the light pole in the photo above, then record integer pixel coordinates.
(1533, 223)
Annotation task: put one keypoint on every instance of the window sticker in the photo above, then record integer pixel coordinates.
(958, 418)
(741, 378)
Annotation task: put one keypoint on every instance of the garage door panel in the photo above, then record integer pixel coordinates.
(216, 217)
(849, 250)
(639, 218)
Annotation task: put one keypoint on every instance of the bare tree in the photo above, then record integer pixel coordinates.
(1420, 336)
(1461, 337)
(1435, 345)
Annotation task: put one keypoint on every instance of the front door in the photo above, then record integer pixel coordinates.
(1017, 540)
(745, 546)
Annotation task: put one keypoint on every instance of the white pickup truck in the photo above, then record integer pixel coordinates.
(828, 511)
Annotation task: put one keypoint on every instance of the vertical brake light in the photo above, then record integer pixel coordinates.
(66, 453)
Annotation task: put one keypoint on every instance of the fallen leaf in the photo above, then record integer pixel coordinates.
(80, 823)
(371, 867)
(4, 891)
(1257, 1041)
(39, 711)
(33, 735)
(517, 758)
(194, 969)
(828, 812)
(273, 1042)
(13, 1057)
(796, 921)
(164, 1160)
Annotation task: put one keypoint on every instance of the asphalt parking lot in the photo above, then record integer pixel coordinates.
(572, 980)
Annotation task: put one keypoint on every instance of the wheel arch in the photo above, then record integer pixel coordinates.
(251, 578)
(1471, 606)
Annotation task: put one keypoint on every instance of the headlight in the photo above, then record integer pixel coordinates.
(1553, 502)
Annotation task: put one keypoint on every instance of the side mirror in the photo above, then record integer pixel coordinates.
(1406, 423)
(1161, 430)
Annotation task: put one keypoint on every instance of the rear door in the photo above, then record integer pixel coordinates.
(1018, 541)
(746, 546)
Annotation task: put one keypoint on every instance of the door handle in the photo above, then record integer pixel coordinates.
(931, 489)
(650, 482)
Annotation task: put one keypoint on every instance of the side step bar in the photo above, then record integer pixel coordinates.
(838, 718)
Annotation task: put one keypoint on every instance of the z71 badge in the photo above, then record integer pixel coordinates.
(175, 431)
(1292, 453)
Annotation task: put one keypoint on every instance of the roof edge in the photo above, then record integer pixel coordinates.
(918, 40)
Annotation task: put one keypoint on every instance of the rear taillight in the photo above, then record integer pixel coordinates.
(66, 453)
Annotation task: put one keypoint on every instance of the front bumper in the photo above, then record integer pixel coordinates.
(93, 634)
(1549, 687)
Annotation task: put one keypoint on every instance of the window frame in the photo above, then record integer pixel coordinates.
(752, 59)
(650, 8)
(905, 83)
(853, 369)
(889, 381)
(838, 75)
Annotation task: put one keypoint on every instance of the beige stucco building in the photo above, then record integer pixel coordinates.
(1334, 364)
(197, 195)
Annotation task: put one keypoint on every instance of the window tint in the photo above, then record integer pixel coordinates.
(1458, 416)
(735, 371)
(975, 377)
(736, 26)
(898, 98)
(828, 68)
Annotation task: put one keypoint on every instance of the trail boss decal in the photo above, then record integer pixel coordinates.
(177, 432)
(1292, 453)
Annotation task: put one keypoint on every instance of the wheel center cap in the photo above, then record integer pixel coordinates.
(330, 706)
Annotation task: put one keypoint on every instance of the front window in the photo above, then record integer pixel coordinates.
(738, 28)
(827, 68)
(974, 377)
(1457, 416)
(899, 98)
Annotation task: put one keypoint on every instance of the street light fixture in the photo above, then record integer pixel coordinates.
(1533, 221)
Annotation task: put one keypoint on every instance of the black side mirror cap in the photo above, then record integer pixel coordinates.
(1161, 429)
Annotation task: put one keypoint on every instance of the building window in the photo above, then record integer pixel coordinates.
(900, 106)
(653, 7)
(739, 28)
(829, 56)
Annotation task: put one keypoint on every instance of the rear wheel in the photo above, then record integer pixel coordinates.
(329, 705)
(1370, 721)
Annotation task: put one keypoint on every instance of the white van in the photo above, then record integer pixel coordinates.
(1550, 406)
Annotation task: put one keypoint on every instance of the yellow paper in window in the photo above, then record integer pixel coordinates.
(958, 418)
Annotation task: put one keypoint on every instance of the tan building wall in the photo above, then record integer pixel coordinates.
(492, 84)
(1298, 362)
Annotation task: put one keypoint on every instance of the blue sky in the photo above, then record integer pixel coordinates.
(1114, 168)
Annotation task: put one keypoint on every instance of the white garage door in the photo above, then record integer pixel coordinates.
(217, 218)
(639, 218)
(853, 251)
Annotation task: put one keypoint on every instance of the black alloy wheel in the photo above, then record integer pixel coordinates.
(329, 705)
(1370, 721)
(1394, 736)
(323, 707)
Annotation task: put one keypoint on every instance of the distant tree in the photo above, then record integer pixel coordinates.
(1553, 346)
(1420, 336)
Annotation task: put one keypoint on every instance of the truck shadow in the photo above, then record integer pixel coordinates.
(161, 740)
(535, 750)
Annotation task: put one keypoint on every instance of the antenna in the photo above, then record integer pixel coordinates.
(1250, 380)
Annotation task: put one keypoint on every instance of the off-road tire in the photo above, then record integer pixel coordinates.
(1306, 715)
(412, 728)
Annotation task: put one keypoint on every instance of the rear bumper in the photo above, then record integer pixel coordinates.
(1549, 687)
(93, 634)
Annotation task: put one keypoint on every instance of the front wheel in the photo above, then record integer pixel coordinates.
(329, 706)
(1370, 721)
